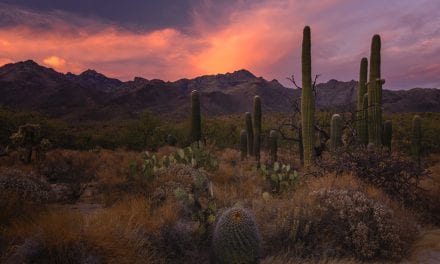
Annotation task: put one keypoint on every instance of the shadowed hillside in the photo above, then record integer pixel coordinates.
(93, 96)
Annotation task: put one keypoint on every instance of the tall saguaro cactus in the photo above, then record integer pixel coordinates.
(196, 122)
(416, 140)
(387, 134)
(243, 144)
(257, 127)
(361, 124)
(307, 100)
(364, 132)
(375, 94)
(250, 133)
(335, 132)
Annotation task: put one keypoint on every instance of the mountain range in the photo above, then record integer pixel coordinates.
(91, 96)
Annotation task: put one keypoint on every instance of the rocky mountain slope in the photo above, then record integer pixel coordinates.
(92, 96)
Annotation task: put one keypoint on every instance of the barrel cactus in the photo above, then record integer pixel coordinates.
(243, 144)
(273, 146)
(250, 133)
(387, 134)
(361, 124)
(307, 100)
(335, 132)
(416, 140)
(196, 123)
(375, 94)
(236, 238)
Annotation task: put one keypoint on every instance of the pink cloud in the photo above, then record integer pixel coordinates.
(264, 37)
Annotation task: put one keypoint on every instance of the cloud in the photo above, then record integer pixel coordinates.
(262, 36)
(56, 62)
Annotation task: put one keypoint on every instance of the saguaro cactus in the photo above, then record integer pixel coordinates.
(364, 132)
(307, 100)
(387, 134)
(250, 133)
(335, 132)
(361, 124)
(375, 94)
(273, 146)
(257, 128)
(416, 140)
(243, 144)
(196, 122)
(236, 238)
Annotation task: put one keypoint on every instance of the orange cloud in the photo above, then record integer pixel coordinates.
(264, 37)
(55, 62)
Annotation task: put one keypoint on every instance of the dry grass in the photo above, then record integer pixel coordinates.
(128, 232)
(295, 226)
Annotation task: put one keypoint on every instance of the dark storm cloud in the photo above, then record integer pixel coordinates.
(139, 13)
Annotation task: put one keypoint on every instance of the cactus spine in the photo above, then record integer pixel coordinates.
(364, 134)
(375, 94)
(257, 128)
(416, 140)
(196, 122)
(236, 238)
(362, 125)
(273, 146)
(250, 134)
(387, 134)
(243, 144)
(335, 132)
(307, 100)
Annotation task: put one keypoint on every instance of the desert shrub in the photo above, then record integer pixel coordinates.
(73, 170)
(394, 173)
(334, 222)
(21, 194)
(52, 237)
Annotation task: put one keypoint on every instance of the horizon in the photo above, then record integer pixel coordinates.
(225, 73)
(192, 38)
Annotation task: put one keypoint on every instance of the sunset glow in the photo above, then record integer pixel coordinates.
(262, 37)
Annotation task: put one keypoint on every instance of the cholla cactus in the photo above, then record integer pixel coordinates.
(236, 238)
(27, 138)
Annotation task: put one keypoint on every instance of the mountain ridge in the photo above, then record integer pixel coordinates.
(91, 95)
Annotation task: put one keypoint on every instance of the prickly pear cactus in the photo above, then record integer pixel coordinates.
(236, 238)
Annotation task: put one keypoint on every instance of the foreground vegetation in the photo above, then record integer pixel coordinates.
(81, 206)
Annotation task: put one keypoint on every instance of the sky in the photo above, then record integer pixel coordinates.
(170, 40)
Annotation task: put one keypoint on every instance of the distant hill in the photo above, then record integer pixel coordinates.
(93, 96)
